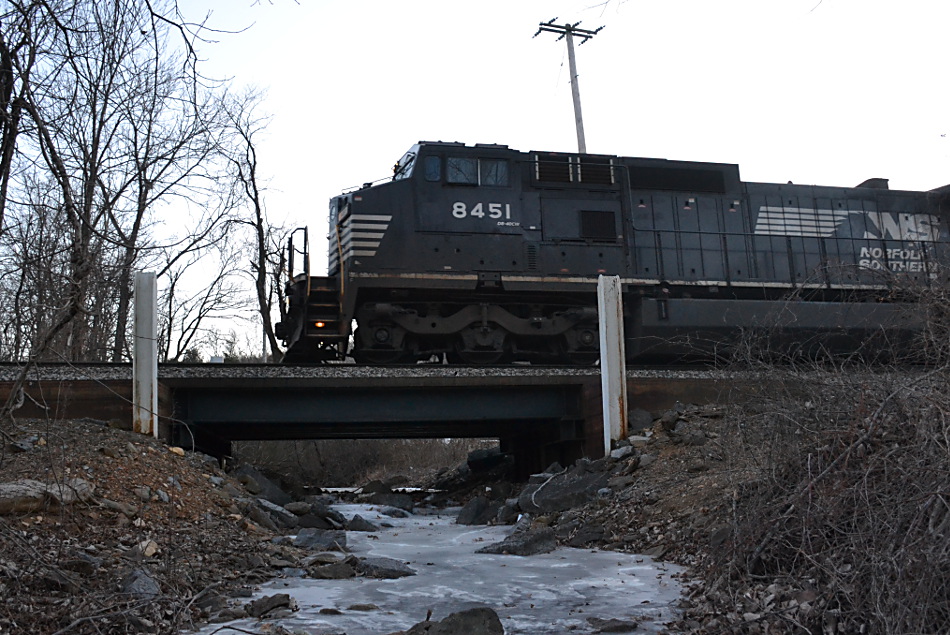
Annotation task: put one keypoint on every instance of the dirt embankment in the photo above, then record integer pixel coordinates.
(110, 532)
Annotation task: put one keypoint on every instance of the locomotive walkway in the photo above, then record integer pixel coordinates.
(541, 414)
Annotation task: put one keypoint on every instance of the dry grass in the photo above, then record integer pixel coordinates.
(846, 526)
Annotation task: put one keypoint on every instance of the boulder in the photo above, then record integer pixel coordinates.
(477, 621)
(333, 571)
(376, 487)
(358, 523)
(298, 507)
(508, 513)
(485, 459)
(28, 495)
(394, 512)
(321, 539)
(400, 501)
(525, 540)
(281, 516)
(140, 584)
(266, 488)
(613, 625)
(263, 606)
(639, 419)
(562, 492)
(478, 511)
(383, 568)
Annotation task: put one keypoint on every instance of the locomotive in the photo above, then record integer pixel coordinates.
(484, 254)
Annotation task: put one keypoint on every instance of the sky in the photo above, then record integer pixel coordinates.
(828, 92)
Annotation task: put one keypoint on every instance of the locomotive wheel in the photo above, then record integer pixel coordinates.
(380, 356)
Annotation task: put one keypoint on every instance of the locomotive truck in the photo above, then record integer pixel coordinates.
(484, 254)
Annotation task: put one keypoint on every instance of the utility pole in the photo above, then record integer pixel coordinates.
(569, 31)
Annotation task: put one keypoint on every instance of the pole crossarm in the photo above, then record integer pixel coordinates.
(565, 29)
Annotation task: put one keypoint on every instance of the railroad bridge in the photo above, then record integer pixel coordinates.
(539, 414)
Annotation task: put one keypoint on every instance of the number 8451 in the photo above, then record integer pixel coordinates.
(495, 210)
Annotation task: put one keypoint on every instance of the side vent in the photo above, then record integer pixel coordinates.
(531, 256)
(553, 168)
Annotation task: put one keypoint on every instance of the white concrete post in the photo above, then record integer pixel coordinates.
(613, 370)
(145, 355)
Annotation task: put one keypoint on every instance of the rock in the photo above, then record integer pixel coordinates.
(123, 508)
(325, 511)
(383, 568)
(586, 535)
(313, 521)
(508, 513)
(266, 604)
(177, 450)
(265, 487)
(333, 571)
(622, 453)
(140, 584)
(298, 507)
(325, 557)
(362, 607)
(478, 511)
(477, 621)
(143, 493)
(639, 419)
(524, 541)
(541, 477)
(400, 501)
(28, 495)
(485, 459)
(358, 523)
(321, 539)
(639, 440)
(656, 551)
(646, 459)
(228, 614)
(394, 512)
(146, 548)
(376, 487)
(281, 516)
(261, 517)
(668, 420)
(562, 492)
(621, 482)
(612, 625)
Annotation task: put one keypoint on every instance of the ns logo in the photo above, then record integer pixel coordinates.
(899, 226)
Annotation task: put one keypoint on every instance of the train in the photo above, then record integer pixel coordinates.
(482, 254)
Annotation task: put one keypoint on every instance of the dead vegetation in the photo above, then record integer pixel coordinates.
(843, 523)
(347, 462)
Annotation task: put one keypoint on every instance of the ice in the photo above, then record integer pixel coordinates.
(547, 593)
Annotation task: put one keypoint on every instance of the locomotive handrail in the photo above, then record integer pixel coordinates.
(305, 252)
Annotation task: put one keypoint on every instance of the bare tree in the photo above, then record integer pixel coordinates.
(246, 125)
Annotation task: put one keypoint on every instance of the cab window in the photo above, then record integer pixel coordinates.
(494, 172)
(463, 170)
(433, 168)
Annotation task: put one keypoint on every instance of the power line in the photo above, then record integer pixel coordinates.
(568, 32)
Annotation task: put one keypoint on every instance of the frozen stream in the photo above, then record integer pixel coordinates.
(548, 593)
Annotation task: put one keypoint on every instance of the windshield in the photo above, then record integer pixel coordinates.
(403, 167)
